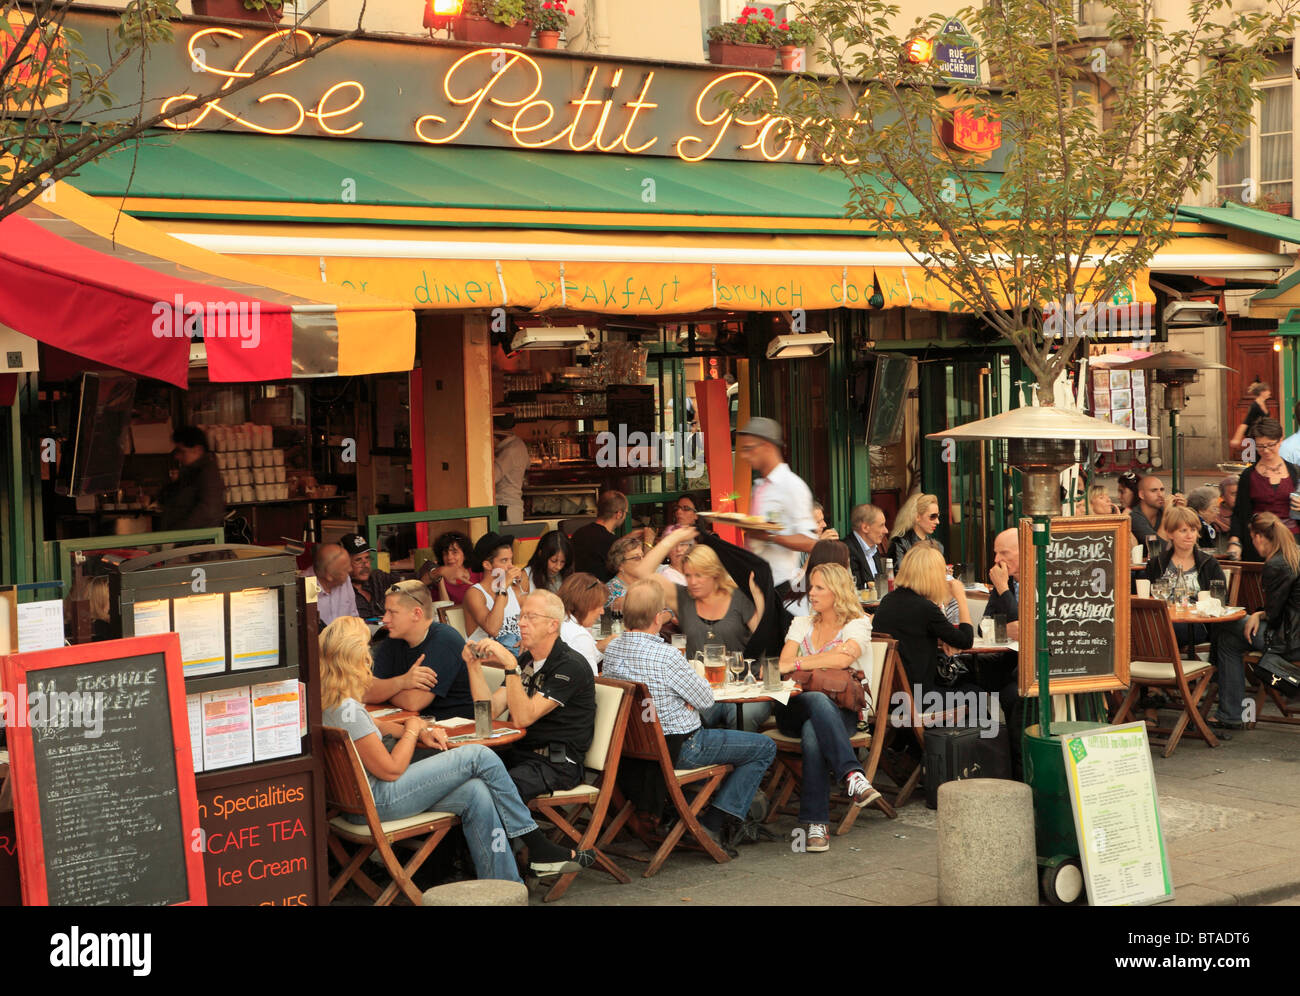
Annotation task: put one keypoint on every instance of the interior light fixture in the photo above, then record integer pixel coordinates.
(548, 337)
(793, 347)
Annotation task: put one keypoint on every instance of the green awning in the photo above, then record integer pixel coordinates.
(237, 169)
(1248, 219)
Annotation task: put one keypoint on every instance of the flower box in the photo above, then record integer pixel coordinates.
(486, 31)
(234, 10)
(742, 54)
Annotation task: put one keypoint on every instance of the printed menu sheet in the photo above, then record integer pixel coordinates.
(1117, 816)
(275, 720)
(201, 622)
(152, 618)
(194, 707)
(254, 628)
(227, 728)
(40, 625)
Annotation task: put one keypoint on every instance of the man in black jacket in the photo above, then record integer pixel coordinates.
(197, 498)
(866, 546)
(1004, 576)
(769, 637)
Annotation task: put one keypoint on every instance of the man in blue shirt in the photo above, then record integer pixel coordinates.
(679, 694)
(419, 666)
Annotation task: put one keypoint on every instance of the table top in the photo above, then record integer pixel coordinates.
(456, 728)
(1192, 616)
(749, 693)
(993, 647)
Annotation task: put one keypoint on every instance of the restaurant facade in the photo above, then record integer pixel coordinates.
(465, 209)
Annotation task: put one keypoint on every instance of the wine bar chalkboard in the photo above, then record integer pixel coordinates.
(1087, 604)
(103, 783)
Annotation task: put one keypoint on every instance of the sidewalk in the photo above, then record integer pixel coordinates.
(1231, 820)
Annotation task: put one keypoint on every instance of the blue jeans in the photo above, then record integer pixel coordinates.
(1230, 648)
(749, 753)
(472, 783)
(722, 715)
(824, 729)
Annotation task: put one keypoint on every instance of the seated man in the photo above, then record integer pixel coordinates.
(550, 692)
(679, 695)
(368, 584)
(1004, 577)
(419, 666)
(336, 596)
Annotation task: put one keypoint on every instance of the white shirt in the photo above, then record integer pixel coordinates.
(1289, 450)
(508, 634)
(508, 470)
(672, 574)
(870, 552)
(854, 629)
(574, 634)
(783, 498)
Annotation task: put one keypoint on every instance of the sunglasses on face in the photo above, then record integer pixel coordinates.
(933, 516)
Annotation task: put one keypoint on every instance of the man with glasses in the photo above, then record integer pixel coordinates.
(550, 692)
(419, 666)
(679, 696)
(778, 496)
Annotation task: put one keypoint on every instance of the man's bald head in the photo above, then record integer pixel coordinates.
(332, 564)
(1006, 551)
(1151, 492)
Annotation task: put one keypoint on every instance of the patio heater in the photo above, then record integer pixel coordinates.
(1175, 370)
(1041, 443)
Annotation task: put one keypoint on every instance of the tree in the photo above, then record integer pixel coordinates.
(1090, 183)
(49, 87)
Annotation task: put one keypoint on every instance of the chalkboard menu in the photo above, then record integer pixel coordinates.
(103, 785)
(1087, 606)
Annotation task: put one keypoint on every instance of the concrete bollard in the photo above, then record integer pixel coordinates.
(478, 892)
(986, 843)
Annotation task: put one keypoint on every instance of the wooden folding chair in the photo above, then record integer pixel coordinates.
(644, 740)
(788, 770)
(613, 705)
(1156, 663)
(347, 790)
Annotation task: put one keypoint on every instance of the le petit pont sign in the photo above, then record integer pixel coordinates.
(452, 94)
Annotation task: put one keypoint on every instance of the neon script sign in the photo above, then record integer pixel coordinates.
(445, 95)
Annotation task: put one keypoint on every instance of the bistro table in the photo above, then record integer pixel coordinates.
(1232, 614)
(504, 733)
(742, 693)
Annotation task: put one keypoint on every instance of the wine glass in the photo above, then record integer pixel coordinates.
(736, 664)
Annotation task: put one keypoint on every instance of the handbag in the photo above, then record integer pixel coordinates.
(842, 686)
(1277, 672)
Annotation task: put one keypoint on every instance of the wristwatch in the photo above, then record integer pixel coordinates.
(511, 670)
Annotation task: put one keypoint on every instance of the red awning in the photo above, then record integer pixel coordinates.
(80, 277)
(123, 314)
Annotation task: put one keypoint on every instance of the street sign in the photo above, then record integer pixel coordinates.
(956, 57)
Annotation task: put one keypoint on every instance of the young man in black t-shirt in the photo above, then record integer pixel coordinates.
(551, 694)
(419, 667)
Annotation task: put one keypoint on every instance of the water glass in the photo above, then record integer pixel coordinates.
(1219, 591)
(736, 665)
(986, 629)
(771, 668)
(679, 643)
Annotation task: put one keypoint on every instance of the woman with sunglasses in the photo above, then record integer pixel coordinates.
(1265, 487)
(917, 520)
(1275, 628)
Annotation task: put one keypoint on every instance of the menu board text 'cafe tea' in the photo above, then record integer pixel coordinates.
(443, 94)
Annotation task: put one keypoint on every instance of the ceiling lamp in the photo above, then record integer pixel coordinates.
(793, 347)
(565, 337)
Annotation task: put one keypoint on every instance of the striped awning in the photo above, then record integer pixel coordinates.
(77, 275)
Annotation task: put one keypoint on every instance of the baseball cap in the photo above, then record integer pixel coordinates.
(354, 543)
(768, 429)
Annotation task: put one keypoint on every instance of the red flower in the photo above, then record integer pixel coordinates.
(785, 25)
(767, 12)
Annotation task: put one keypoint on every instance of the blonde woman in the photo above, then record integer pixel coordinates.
(913, 614)
(1099, 501)
(101, 623)
(1274, 629)
(469, 781)
(709, 606)
(917, 520)
(836, 635)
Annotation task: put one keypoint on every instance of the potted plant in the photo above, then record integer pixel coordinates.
(241, 10)
(551, 19)
(749, 40)
(496, 22)
(793, 40)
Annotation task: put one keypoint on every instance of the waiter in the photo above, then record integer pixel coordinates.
(509, 466)
(777, 496)
(196, 499)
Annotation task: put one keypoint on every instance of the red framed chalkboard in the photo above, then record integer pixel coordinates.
(102, 775)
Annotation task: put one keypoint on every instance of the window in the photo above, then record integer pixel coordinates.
(713, 12)
(1259, 170)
